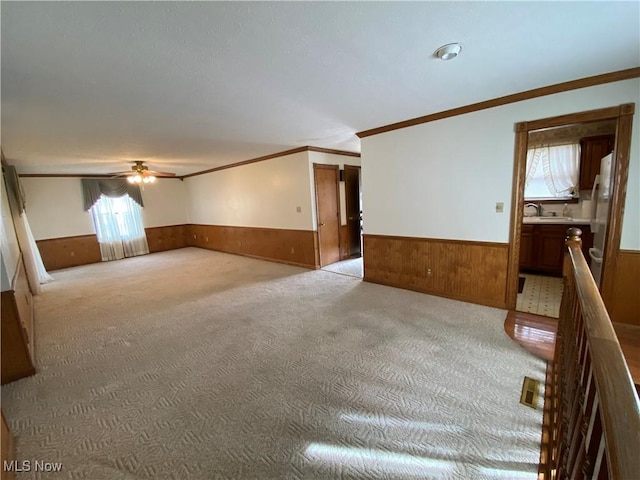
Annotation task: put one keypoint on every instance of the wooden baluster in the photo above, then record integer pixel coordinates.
(569, 351)
(594, 435)
(595, 414)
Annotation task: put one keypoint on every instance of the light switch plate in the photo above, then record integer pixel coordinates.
(298, 209)
(499, 207)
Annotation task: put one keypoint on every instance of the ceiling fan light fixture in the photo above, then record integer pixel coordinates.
(142, 174)
(449, 51)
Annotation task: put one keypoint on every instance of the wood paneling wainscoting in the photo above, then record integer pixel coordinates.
(68, 252)
(294, 247)
(170, 237)
(474, 272)
(18, 352)
(623, 301)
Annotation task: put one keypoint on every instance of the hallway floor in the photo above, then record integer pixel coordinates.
(352, 267)
(541, 295)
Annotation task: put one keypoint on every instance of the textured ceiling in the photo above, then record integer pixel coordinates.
(88, 87)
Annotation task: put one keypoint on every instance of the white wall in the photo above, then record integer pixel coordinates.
(262, 194)
(330, 159)
(55, 206)
(8, 244)
(442, 179)
(165, 203)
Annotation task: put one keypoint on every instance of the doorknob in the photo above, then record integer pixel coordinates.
(322, 224)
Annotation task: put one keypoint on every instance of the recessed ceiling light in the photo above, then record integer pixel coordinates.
(449, 51)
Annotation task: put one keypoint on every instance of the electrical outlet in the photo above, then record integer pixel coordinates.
(73, 254)
(206, 239)
(428, 272)
(298, 209)
(293, 250)
(194, 236)
(499, 207)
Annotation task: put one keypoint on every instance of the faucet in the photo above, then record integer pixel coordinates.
(537, 206)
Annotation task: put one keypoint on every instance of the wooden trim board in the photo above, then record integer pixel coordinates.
(616, 207)
(66, 175)
(440, 240)
(623, 303)
(274, 155)
(516, 97)
(210, 170)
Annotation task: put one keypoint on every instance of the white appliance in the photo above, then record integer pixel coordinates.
(602, 187)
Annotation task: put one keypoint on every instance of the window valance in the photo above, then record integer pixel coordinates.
(92, 188)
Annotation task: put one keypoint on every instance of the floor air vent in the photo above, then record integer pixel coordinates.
(529, 396)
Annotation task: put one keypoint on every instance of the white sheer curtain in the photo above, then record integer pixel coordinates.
(552, 171)
(43, 275)
(119, 227)
(561, 169)
(34, 268)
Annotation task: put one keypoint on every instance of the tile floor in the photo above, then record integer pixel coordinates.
(541, 295)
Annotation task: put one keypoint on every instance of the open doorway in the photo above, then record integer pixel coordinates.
(522, 248)
(353, 201)
(350, 260)
(564, 171)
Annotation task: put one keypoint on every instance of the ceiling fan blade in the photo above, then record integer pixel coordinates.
(141, 169)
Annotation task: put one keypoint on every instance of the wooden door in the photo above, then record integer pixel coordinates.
(352, 198)
(328, 212)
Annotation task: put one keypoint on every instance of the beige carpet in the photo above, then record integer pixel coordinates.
(193, 364)
(352, 267)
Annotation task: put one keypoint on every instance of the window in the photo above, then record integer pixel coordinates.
(118, 224)
(552, 172)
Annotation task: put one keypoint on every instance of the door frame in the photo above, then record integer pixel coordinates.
(318, 166)
(347, 204)
(623, 114)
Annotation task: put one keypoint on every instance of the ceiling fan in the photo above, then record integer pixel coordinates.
(140, 173)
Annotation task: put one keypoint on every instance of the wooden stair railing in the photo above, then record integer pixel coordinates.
(595, 411)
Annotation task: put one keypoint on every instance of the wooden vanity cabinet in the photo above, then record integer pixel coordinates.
(542, 247)
(527, 260)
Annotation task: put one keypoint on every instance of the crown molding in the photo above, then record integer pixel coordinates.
(210, 170)
(275, 155)
(516, 97)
